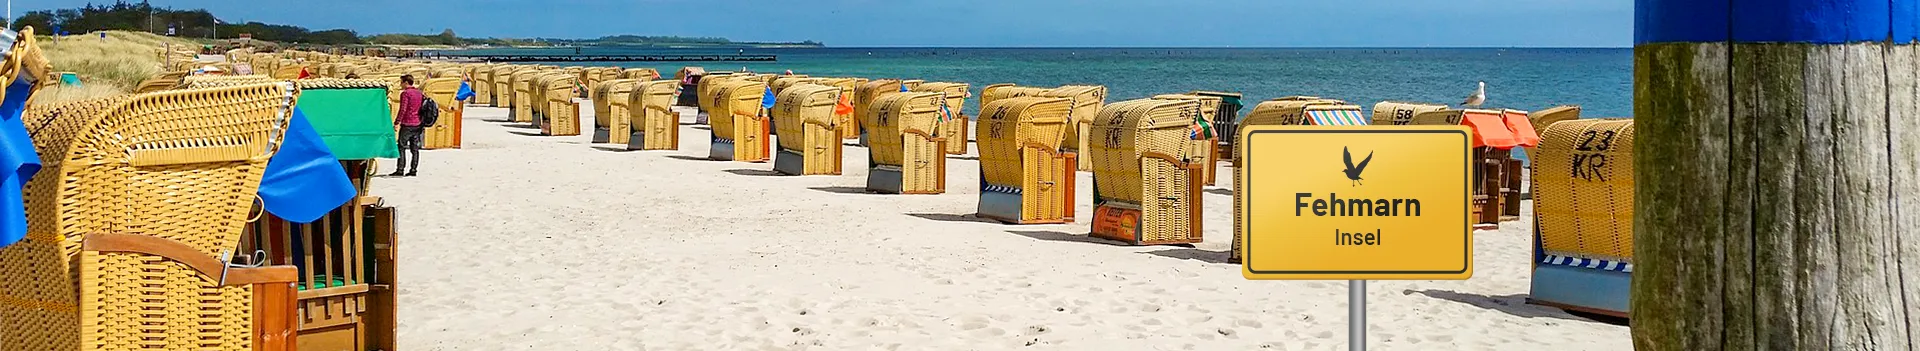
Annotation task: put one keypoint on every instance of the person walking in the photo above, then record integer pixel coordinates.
(411, 132)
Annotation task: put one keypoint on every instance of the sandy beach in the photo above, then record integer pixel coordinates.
(524, 242)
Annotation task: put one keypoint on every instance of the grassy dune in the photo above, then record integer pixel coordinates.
(106, 66)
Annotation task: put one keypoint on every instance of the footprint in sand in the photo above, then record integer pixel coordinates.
(1149, 308)
(1151, 321)
(1323, 334)
(1197, 319)
(1038, 329)
(1228, 333)
(1249, 323)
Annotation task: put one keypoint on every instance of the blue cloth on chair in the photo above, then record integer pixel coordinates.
(303, 180)
(18, 159)
(466, 92)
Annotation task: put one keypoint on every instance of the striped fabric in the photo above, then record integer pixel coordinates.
(1001, 189)
(1604, 265)
(722, 141)
(1337, 117)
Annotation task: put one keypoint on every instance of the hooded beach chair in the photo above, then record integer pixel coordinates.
(863, 100)
(503, 86)
(562, 115)
(739, 131)
(654, 125)
(445, 132)
(138, 206)
(1204, 133)
(1583, 196)
(1496, 178)
(954, 128)
(1006, 90)
(805, 122)
(1024, 176)
(705, 92)
(612, 110)
(906, 154)
(522, 95)
(843, 113)
(1147, 176)
(1394, 113)
(643, 74)
(1087, 100)
(1292, 110)
(1543, 119)
(483, 84)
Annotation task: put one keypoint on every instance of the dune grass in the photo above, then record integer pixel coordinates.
(108, 65)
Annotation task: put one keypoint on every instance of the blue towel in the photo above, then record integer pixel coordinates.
(304, 181)
(18, 159)
(466, 92)
(766, 101)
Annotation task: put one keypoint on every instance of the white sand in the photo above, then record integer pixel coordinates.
(522, 242)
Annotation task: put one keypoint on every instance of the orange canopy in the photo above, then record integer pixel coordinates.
(1489, 129)
(1522, 128)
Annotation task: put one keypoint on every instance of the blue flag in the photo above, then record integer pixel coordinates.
(903, 87)
(766, 101)
(303, 180)
(18, 158)
(466, 92)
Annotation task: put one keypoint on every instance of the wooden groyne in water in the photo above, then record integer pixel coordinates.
(608, 58)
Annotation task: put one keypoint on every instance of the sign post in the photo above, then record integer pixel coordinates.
(1356, 204)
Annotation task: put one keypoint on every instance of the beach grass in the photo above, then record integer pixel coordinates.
(119, 61)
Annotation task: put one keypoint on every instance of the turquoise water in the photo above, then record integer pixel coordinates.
(1600, 80)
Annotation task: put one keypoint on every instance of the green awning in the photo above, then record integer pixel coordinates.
(356, 124)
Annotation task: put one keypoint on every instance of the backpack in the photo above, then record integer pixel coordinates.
(429, 112)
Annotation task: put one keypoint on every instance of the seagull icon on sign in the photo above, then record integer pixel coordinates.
(1353, 171)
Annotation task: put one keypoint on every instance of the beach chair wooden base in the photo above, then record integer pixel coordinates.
(665, 135)
(789, 162)
(720, 150)
(1051, 202)
(1581, 289)
(884, 179)
(602, 136)
(1154, 225)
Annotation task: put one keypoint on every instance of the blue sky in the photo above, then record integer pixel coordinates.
(851, 23)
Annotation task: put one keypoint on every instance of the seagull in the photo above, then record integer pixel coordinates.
(1478, 97)
(1353, 171)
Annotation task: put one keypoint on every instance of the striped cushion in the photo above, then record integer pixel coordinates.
(1604, 265)
(1001, 189)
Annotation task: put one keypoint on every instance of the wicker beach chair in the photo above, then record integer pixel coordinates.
(808, 137)
(445, 134)
(781, 83)
(1205, 146)
(1495, 134)
(288, 70)
(612, 110)
(643, 74)
(561, 116)
(906, 154)
(1024, 177)
(1394, 113)
(522, 97)
(954, 128)
(845, 120)
(1546, 118)
(199, 82)
(502, 81)
(655, 125)
(146, 194)
(1583, 195)
(704, 92)
(1146, 172)
(863, 100)
(1006, 90)
(1292, 110)
(1087, 100)
(740, 132)
(483, 84)
(163, 81)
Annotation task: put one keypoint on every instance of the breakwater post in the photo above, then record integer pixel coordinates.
(1778, 205)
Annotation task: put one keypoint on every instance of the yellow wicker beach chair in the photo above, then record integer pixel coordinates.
(523, 97)
(1292, 110)
(139, 199)
(704, 91)
(1006, 90)
(163, 81)
(655, 125)
(845, 120)
(612, 110)
(1393, 113)
(906, 154)
(561, 116)
(1087, 100)
(1583, 211)
(1204, 147)
(781, 83)
(502, 82)
(740, 132)
(445, 134)
(483, 84)
(643, 74)
(1546, 118)
(1024, 177)
(954, 129)
(287, 71)
(809, 141)
(198, 82)
(863, 100)
(448, 72)
(1146, 175)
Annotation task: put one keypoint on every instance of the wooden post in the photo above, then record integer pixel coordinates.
(1778, 205)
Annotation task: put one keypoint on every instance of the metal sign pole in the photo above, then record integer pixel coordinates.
(1357, 315)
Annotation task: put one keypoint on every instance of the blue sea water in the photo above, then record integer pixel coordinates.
(1600, 80)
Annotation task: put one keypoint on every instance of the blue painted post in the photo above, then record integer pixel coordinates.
(1777, 203)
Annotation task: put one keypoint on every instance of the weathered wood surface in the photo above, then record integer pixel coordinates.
(1778, 204)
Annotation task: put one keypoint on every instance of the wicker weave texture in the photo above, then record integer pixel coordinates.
(864, 98)
(1400, 113)
(1132, 143)
(182, 165)
(1546, 118)
(1020, 139)
(807, 126)
(848, 124)
(652, 109)
(445, 133)
(737, 118)
(1583, 189)
(1203, 150)
(1087, 100)
(905, 135)
(562, 114)
(619, 98)
(954, 130)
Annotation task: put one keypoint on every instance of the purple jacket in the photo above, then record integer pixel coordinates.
(409, 114)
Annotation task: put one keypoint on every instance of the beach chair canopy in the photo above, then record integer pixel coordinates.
(1336, 117)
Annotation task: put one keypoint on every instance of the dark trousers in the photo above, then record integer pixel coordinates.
(411, 139)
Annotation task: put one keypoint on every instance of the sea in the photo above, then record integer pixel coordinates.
(1600, 80)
